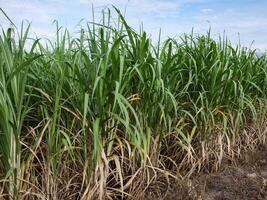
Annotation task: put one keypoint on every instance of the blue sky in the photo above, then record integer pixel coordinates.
(247, 18)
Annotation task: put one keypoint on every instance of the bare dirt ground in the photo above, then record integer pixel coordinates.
(246, 180)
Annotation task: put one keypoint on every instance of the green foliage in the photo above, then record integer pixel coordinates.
(86, 92)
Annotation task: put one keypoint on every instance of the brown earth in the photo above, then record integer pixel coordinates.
(246, 180)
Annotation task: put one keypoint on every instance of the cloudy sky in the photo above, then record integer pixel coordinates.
(244, 19)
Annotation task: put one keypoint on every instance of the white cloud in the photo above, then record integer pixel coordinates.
(169, 15)
(206, 10)
(102, 2)
(142, 5)
(19, 10)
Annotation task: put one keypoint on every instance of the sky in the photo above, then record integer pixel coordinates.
(241, 20)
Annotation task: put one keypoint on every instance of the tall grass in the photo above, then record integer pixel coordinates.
(102, 114)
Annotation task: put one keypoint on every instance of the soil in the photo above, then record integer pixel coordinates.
(246, 180)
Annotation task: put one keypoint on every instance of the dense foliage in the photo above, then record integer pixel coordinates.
(81, 115)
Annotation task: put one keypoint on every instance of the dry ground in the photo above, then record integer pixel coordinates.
(245, 180)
